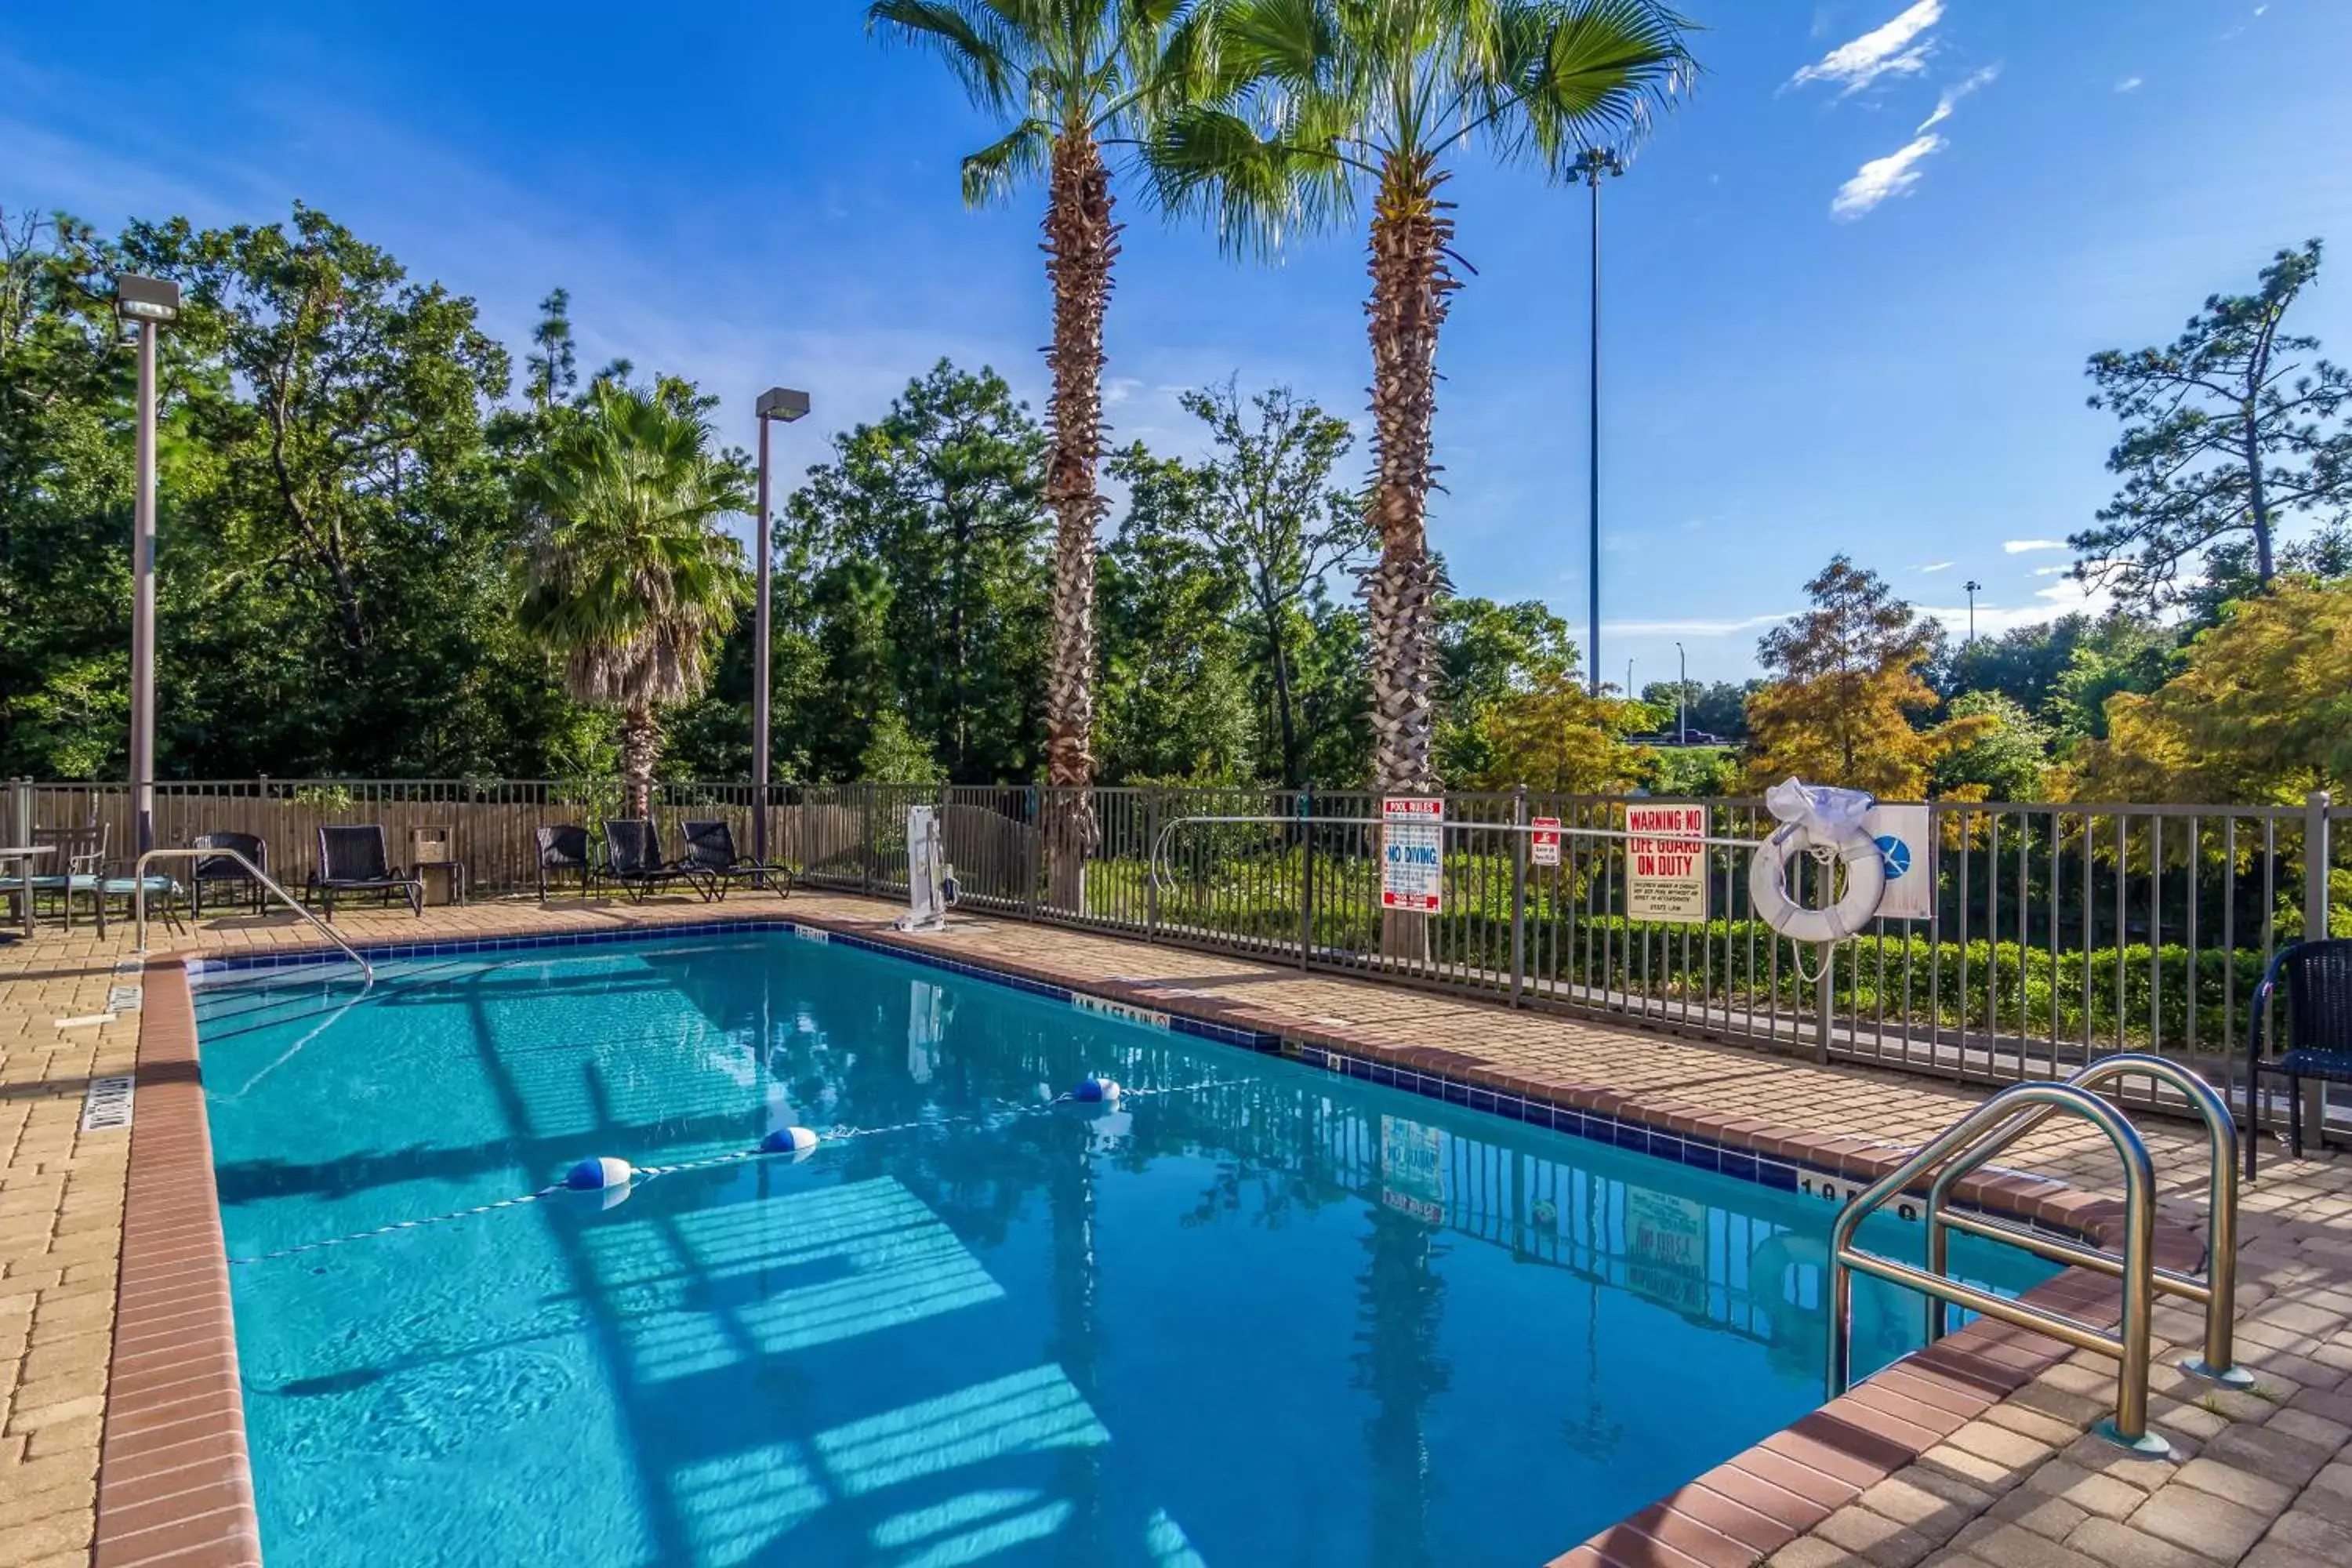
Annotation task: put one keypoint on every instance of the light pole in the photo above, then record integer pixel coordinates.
(1682, 696)
(149, 302)
(1972, 585)
(777, 404)
(1591, 163)
(1629, 680)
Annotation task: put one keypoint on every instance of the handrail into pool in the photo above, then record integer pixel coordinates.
(2217, 1289)
(262, 877)
(2130, 1347)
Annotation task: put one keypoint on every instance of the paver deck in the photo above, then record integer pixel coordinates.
(1958, 1476)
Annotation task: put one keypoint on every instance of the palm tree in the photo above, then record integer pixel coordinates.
(1316, 102)
(627, 577)
(1073, 77)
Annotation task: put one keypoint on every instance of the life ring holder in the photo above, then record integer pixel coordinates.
(1767, 887)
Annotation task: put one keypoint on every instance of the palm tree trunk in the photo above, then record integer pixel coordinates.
(1081, 239)
(641, 739)
(1411, 284)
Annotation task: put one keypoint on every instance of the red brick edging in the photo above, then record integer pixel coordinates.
(172, 1480)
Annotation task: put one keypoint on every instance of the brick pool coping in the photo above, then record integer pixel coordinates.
(175, 1480)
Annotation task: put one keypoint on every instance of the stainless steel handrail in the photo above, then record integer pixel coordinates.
(2217, 1290)
(138, 898)
(2130, 1347)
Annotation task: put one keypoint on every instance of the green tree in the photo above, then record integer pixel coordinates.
(1176, 696)
(1313, 101)
(1067, 74)
(2260, 712)
(2006, 759)
(2023, 664)
(2122, 652)
(2228, 432)
(1272, 512)
(1846, 685)
(552, 369)
(943, 494)
(629, 580)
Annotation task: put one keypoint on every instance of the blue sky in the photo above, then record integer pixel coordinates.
(1833, 320)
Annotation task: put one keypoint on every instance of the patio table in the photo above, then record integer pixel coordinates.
(24, 854)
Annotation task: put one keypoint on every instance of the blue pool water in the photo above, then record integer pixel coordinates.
(1259, 1315)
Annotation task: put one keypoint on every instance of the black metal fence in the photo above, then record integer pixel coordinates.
(2062, 931)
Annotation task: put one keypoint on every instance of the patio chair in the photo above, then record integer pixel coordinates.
(2318, 1031)
(164, 894)
(351, 859)
(710, 846)
(565, 848)
(75, 867)
(223, 869)
(633, 858)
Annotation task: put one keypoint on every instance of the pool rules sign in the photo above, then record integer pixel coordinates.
(1412, 854)
(1665, 863)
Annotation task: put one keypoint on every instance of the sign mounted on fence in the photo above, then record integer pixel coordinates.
(1665, 863)
(1543, 841)
(1907, 853)
(1412, 854)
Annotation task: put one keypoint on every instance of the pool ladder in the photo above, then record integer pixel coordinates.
(1983, 1133)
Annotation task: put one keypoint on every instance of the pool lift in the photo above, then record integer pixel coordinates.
(930, 881)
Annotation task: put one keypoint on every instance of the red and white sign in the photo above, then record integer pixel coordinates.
(1412, 854)
(1543, 841)
(1665, 863)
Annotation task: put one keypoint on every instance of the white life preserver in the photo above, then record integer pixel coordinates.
(1768, 884)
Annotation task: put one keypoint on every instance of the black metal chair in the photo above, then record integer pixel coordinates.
(2318, 1030)
(352, 859)
(710, 846)
(224, 869)
(633, 858)
(565, 848)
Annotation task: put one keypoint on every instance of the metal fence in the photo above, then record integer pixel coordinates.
(2063, 931)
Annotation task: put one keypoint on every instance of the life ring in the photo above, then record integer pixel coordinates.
(1768, 885)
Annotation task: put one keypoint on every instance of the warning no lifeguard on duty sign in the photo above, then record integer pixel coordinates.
(1412, 854)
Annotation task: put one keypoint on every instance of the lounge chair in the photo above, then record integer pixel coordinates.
(710, 846)
(351, 859)
(224, 867)
(633, 858)
(565, 848)
(74, 868)
(2318, 1030)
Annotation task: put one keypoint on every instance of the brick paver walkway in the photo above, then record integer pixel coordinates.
(2264, 1478)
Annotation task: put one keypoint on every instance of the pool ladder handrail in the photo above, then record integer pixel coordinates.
(2217, 1290)
(2129, 1345)
(261, 877)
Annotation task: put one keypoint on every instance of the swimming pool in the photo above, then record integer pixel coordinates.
(1260, 1313)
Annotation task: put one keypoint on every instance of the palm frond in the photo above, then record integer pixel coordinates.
(991, 174)
(1587, 73)
(1253, 191)
(977, 42)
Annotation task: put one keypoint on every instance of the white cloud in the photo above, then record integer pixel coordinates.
(1692, 628)
(2019, 546)
(1957, 91)
(1875, 181)
(1897, 49)
(1936, 566)
(2060, 598)
(2051, 571)
(2129, 84)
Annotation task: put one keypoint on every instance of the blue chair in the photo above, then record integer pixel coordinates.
(2317, 1029)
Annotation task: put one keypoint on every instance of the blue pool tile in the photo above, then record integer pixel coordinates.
(1773, 1174)
(1738, 1162)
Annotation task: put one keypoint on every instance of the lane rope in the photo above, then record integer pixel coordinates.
(839, 1132)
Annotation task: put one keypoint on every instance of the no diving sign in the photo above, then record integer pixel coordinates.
(1412, 854)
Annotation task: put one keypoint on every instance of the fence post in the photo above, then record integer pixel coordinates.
(1518, 891)
(1151, 863)
(1038, 804)
(2316, 859)
(1825, 1004)
(23, 790)
(1305, 810)
(870, 853)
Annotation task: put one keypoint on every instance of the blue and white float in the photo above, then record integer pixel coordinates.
(1096, 1090)
(797, 1142)
(599, 1175)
